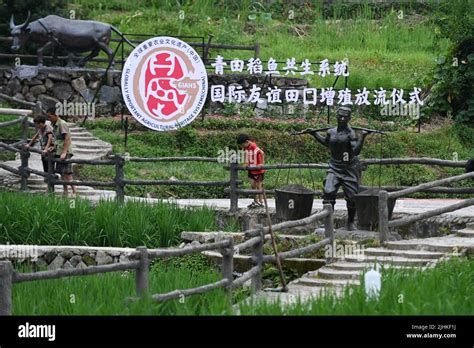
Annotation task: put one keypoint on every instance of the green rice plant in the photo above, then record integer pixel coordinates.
(446, 289)
(104, 294)
(27, 219)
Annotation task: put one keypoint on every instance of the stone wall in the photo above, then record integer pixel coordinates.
(67, 257)
(52, 85)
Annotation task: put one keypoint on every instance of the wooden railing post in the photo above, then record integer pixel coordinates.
(383, 216)
(234, 196)
(24, 128)
(141, 274)
(51, 177)
(228, 264)
(6, 275)
(257, 258)
(24, 172)
(119, 176)
(329, 229)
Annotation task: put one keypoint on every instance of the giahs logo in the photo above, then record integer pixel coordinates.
(164, 83)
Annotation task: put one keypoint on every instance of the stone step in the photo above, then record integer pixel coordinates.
(310, 291)
(93, 152)
(391, 260)
(415, 254)
(77, 129)
(83, 139)
(80, 134)
(35, 180)
(356, 266)
(466, 233)
(470, 225)
(349, 266)
(327, 273)
(91, 145)
(308, 281)
(400, 245)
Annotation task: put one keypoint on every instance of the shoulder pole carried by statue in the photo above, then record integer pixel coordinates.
(312, 130)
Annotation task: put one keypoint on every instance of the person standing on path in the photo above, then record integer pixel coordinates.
(63, 139)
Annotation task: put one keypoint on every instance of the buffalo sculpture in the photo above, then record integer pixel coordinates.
(74, 36)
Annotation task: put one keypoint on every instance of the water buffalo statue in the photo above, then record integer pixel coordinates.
(74, 36)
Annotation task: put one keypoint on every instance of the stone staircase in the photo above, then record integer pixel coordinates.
(85, 146)
(414, 253)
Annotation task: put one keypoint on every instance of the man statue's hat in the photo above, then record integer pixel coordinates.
(345, 110)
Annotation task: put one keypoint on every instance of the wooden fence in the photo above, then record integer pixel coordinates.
(197, 42)
(384, 196)
(230, 187)
(142, 257)
(254, 237)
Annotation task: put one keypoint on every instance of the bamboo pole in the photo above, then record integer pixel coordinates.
(234, 196)
(6, 273)
(329, 228)
(173, 252)
(228, 264)
(288, 224)
(245, 277)
(62, 273)
(410, 219)
(383, 216)
(173, 159)
(176, 182)
(430, 184)
(10, 123)
(141, 273)
(257, 259)
(190, 292)
(297, 252)
(275, 249)
(119, 179)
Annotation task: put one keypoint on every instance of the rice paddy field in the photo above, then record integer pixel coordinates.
(25, 219)
(43, 220)
(386, 47)
(445, 290)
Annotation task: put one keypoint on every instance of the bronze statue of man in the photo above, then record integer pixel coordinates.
(344, 166)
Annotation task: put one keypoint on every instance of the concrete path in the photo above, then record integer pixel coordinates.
(404, 205)
(85, 146)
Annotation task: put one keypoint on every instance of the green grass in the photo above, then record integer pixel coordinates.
(383, 50)
(199, 140)
(444, 290)
(104, 294)
(43, 220)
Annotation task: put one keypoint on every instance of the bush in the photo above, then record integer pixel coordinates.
(453, 79)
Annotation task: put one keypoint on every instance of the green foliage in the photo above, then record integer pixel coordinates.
(215, 134)
(453, 78)
(43, 220)
(193, 263)
(19, 9)
(104, 294)
(446, 289)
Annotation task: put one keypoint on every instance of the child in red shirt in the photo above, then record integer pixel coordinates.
(254, 157)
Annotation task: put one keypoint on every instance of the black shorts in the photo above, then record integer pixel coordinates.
(44, 160)
(64, 168)
(256, 177)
